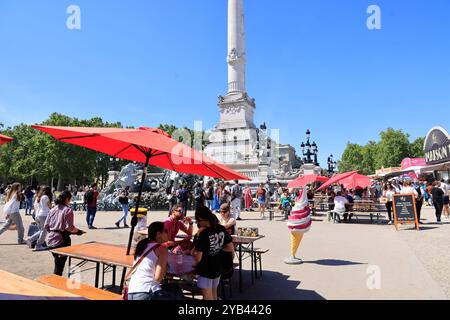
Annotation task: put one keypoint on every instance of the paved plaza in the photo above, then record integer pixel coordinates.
(339, 258)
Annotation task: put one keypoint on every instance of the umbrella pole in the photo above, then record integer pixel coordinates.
(134, 218)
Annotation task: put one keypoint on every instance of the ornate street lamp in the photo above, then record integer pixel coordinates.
(309, 150)
(331, 165)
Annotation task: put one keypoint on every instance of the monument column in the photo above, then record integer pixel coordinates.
(236, 58)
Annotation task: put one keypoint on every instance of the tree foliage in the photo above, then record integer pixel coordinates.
(393, 147)
(35, 157)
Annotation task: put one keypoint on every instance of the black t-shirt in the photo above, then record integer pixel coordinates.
(210, 193)
(211, 243)
(437, 194)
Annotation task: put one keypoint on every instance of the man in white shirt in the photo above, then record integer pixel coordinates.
(340, 204)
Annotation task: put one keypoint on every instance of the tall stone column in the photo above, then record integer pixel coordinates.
(236, 58)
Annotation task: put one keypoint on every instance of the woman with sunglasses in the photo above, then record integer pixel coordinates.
(388, 193)
(226, 220)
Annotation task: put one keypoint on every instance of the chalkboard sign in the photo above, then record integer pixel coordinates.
(405, 211)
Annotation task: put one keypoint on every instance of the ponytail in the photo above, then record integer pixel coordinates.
(153, 230)
(62, 198)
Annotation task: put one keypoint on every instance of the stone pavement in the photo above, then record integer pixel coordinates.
(340, 259)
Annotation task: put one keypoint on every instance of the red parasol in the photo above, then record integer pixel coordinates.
(356, 181)
(305, 180)
(149, 146)
(5, 139)
(337, 178)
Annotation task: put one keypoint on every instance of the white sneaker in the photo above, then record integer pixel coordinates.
(390, 223)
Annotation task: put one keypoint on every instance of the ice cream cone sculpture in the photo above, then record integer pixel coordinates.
(299, 223)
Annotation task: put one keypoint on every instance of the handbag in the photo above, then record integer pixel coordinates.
(133, 269)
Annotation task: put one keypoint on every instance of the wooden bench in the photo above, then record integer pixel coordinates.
(257, 252)
(77, 288)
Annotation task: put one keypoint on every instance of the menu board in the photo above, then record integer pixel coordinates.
(405, 211)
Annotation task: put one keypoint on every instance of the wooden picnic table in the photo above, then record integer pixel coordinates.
(246, 243)
(245, 246)
(14, 287)
(111, 256)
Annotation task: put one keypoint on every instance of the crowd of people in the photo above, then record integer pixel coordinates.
(434, 194)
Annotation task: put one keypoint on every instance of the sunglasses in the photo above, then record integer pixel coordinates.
(224, 210)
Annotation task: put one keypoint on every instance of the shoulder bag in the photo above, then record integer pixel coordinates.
(133, 269)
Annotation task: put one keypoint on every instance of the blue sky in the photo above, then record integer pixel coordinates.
(311, 64)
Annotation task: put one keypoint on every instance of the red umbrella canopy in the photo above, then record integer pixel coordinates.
(356, 181)
(337, 178)
(5, 139)
(305, 180)
(140, 144)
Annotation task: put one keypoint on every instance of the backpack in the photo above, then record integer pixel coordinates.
(123, 198)
(183, 195)
(236, 192)
(89, 196)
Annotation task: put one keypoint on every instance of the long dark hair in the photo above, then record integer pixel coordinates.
(153, 230)
(62, 198)
(14, 190)
(203, 213)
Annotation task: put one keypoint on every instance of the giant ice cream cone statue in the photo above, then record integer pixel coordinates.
(299, 223)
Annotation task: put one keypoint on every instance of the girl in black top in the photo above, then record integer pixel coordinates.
(212, 241)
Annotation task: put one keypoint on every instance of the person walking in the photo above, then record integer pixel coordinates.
(29, 194)
(90, 199)
(199, 195)
(438, 200)
(124, 201)
(261, 195)
(213, 240)
(210, 195)
(388, 193)
(183, 198)
(236, 200)
(45, 199)
(419, 200)
(60, 227)
(248, 199)
(445, 188)
(12, 212)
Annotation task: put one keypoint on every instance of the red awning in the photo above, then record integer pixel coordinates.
(305, 180)
(5, 139)
(138, 144)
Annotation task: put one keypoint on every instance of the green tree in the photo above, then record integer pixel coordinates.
(369, 153)
(351, 158)
(392, 149)
(416, 148)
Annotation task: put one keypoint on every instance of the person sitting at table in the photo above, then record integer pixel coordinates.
(59, 226)
(213, 239)
(150, 267)
(340, 206)
(175, 223)
(226, 220)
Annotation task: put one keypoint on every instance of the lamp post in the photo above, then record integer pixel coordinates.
(331, 165)
(309, 150)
